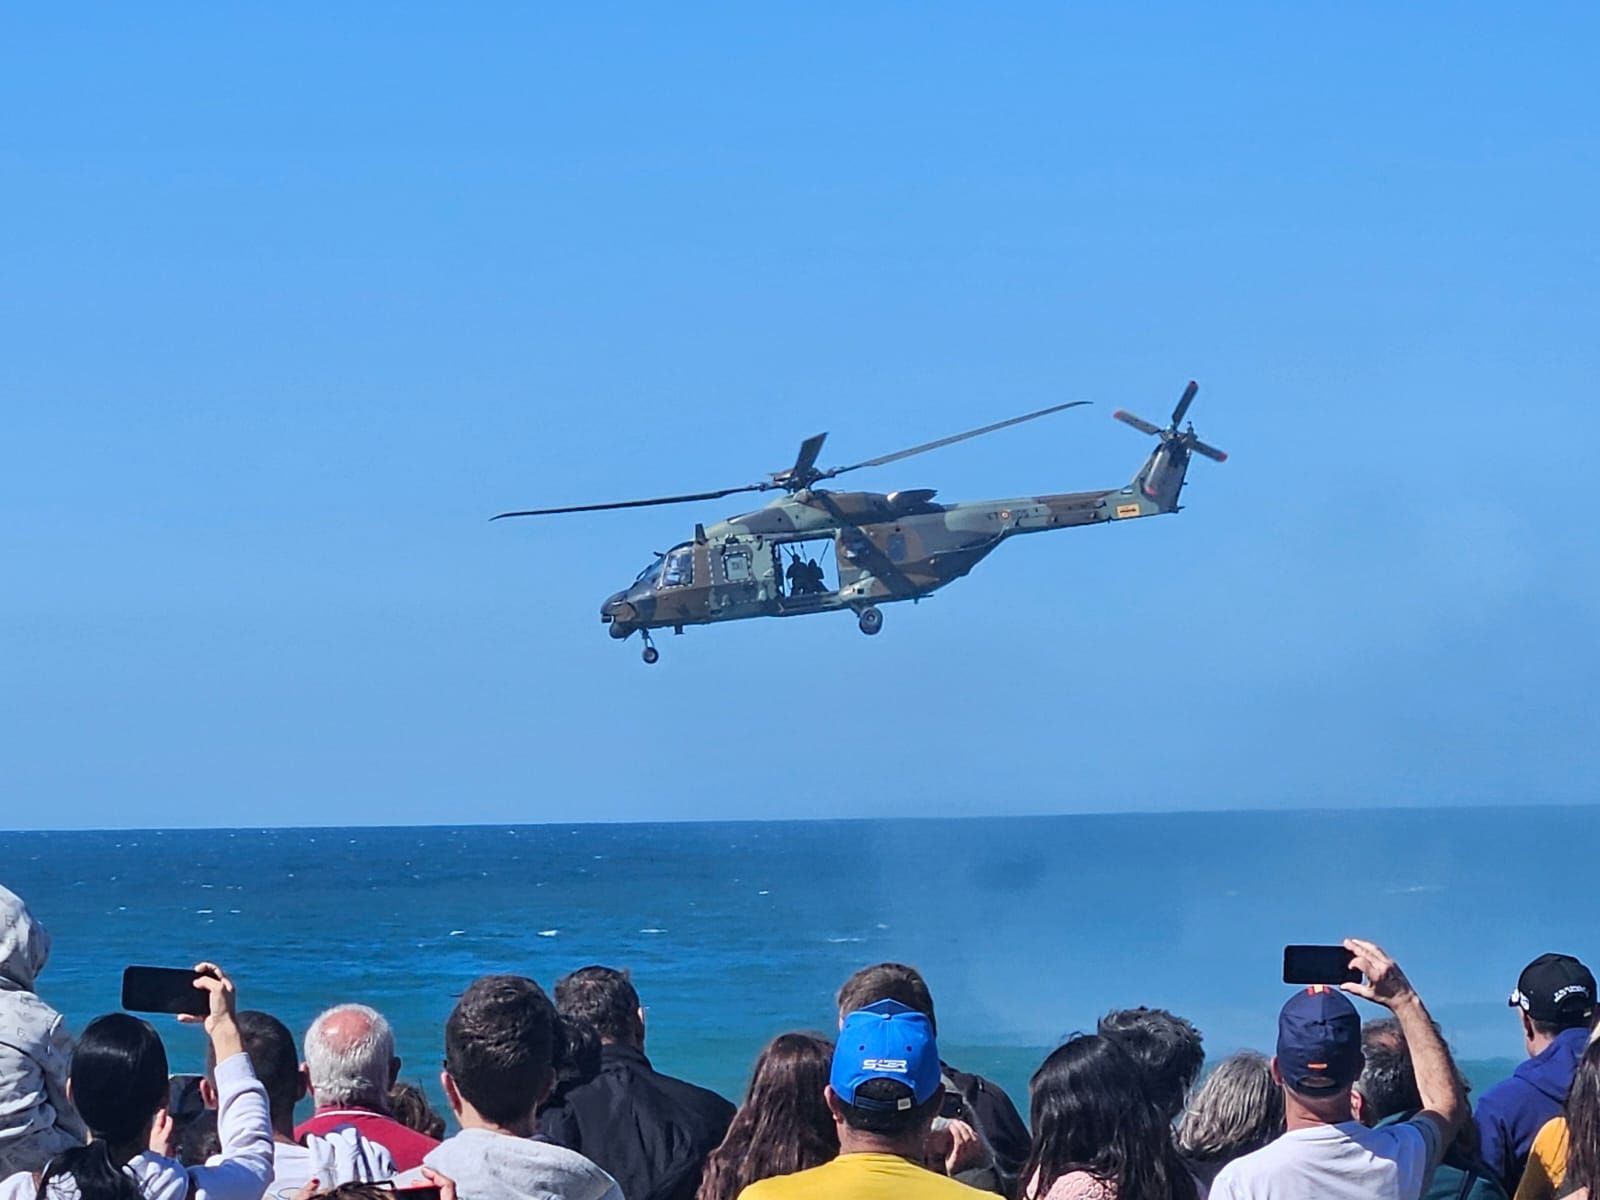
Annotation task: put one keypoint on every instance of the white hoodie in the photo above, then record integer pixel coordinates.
(340, 1156)
(498, 1166)
(37, 1120)
(245, 1166)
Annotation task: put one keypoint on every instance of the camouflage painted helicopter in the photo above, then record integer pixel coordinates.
(899, 546)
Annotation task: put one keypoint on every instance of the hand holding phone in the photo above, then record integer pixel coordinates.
(1320, 964)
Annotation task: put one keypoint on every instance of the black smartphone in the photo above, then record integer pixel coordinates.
(163, 990)
(426, 1191)
(1319, 964)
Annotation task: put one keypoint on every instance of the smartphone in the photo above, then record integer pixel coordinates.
(163, 990)
(1319, 964)
(426, 1191)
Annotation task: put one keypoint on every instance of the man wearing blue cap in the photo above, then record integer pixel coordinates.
(1325, 1152)
(884, 1091)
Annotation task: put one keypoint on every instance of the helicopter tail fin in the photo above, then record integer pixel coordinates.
(1157, 485)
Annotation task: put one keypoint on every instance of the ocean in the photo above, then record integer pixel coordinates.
(1026, 928)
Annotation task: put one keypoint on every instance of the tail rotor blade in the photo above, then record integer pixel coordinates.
(1139, 423)
(1183, 403)
(1210, 452)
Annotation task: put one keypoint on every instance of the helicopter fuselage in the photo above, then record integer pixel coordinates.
(886, 547)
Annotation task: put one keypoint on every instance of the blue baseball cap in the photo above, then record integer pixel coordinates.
(1319, 1040)
(886, 1040)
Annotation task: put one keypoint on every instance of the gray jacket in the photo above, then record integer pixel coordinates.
(497, 1166)
(36, 1118)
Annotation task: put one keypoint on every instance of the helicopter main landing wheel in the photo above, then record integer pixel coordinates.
(651, 654)
(870, 620)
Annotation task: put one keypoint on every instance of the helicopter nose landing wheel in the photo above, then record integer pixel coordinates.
(870, 620)
(651, 655)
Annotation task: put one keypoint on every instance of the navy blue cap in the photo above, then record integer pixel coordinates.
(886, 1040)
(1319, 1040)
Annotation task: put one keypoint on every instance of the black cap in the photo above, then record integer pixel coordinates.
(1556, 989)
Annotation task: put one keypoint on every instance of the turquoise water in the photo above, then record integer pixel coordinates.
(1027, 928)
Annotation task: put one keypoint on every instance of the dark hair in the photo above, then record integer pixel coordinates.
(1237, 1110)
(890, 1121)
(500, 1046)
(359, 1191)
(119, 1082)
(1091, 1111)
(1583, 1124)
(1168, 1050)
(196, 1138)
(409, 1105)
(1388, 1082)
(1552, 1028)
(888, 981)
(274, 1058)
(605, 999)
(784, 1125)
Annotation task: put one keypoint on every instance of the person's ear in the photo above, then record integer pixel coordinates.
(1277, 1075)
(452, 1094)
(835, 1105)
(1358, 1105)
(208, 1092)
(641, 1025)
(305, 1082)
(394, 1070)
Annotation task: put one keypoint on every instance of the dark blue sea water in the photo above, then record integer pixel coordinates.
(1026, 928)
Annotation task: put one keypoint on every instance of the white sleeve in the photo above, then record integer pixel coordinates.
(18, 1187)
(244, 1126)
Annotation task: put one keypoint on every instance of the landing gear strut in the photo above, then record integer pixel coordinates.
(870, 620)
(651, 654)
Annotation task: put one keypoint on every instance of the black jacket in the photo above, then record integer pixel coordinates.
(990, 1111)
(651, 1132)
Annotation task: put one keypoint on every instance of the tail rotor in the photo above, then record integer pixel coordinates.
(1171, 437)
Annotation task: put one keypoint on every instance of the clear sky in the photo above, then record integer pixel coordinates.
(293, 297)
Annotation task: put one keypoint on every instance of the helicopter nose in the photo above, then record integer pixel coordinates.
(617, 611)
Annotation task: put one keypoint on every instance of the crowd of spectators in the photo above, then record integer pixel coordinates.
(556, 1099)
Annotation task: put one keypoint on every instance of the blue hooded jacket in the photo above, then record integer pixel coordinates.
(1511, 1113)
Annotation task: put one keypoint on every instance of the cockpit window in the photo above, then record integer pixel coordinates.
(679, 571)
(652, 569)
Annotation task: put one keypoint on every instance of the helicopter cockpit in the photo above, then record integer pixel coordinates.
(651, 571)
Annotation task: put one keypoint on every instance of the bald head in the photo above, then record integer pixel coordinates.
(350, 1058)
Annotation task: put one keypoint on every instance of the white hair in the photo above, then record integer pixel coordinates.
(349, 1055)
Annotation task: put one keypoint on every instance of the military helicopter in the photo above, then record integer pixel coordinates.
(886, 547)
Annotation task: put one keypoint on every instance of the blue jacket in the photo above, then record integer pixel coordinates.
(1511, 1113)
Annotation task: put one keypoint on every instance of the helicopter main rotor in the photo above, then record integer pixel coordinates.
(804, 472)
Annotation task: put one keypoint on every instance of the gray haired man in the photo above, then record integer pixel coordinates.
(350, 1067)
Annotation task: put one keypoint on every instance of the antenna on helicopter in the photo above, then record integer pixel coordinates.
(1170, 434)
(804, 472)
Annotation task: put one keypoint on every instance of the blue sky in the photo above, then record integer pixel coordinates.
(295, 298)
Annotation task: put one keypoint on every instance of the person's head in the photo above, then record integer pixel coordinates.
(118, 1083)
(885, 1084)
(1319, 1055)
(1237, 1110)
(271, 1049)
(783, 1126)
(409, 1105)
(605, 1000)
(501, 1043)
(887, 981)
(1168, 1050)
(1583, 1122)
(1090, 1109)
(1554, 993)
(1387, 1085)
(24, 943)
(350, 1058)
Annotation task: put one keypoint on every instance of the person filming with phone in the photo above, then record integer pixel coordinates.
(1325, 1152)
(118, 1082)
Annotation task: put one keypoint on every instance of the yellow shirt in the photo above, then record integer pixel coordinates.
(1547, 1163)
(862, 1177)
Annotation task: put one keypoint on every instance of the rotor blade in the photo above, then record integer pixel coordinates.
(807, 458)
(1212, 452)
(576, 508)
(1139, 423)
(1183, 403)
(951, 440)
